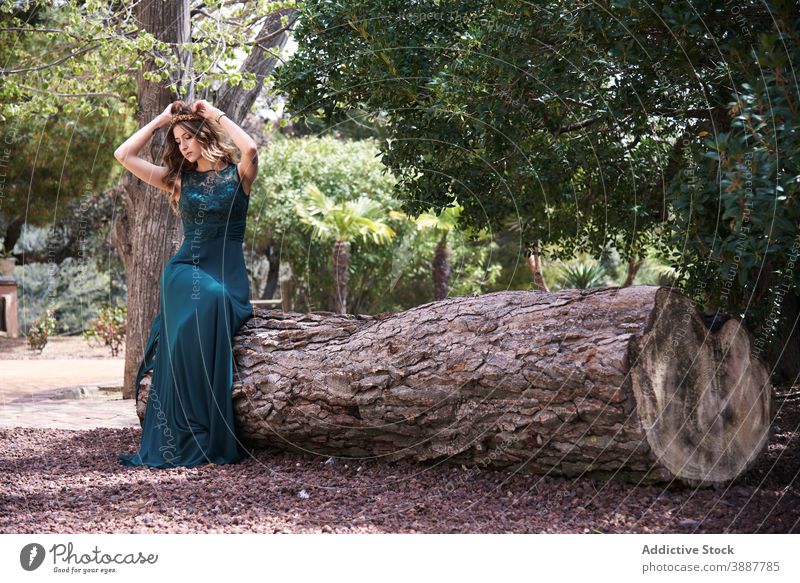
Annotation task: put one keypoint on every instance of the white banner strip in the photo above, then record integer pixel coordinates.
(398, 558)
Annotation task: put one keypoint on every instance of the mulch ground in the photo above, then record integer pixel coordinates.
(59, 481)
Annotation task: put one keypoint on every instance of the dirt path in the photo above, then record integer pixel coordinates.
(63, 394)
(26, 378)
(57, 347)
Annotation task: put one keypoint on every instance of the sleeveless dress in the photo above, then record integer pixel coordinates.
(205, 299)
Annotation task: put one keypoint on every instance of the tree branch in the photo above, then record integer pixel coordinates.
(48, 92)
(47, 66)
(578, 125)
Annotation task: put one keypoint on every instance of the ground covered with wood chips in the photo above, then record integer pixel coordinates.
(60, 481)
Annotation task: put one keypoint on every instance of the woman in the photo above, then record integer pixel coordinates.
(205, 295)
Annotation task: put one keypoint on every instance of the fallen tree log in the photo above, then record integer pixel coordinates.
(624, 383)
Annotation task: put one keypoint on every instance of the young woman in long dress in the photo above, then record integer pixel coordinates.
(205, 295)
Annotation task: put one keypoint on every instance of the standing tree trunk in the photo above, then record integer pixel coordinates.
(146, 233)
(341, 261)
(287, 294)
(633, 268)
(274, 258)
(441, 269)
(13, 233)
(535, 265)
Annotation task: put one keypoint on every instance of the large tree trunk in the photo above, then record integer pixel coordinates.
(147, 233)
(613, 382)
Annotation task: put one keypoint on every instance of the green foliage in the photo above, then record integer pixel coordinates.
(74, 151)
(442, 222)
(641, 124)
(653, 271)
(102, 76)
(581, 275)
(108, 328)
(343, 221)
(743, 256)
(388, 277)
(54, 118)
(40, 331)
(474, 268)
(69, 90)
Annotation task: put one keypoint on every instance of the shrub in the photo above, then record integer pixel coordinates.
(581, 275)
(41, 330)
(108, 329)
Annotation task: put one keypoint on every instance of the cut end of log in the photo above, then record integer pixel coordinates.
(704, 400)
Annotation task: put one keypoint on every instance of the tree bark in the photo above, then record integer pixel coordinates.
(12, 235)
(146, 233)
(633, 268)
(441, 269)
(535, 265)
(341, 263)
(623, 383)
(274, 257)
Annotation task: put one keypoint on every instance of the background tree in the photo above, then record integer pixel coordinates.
(390, 277)
(342, 223)
(441, 224)
(52, 144)
(589, 124)
(159, 52)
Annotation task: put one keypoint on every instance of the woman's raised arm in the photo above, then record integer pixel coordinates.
(128, 152)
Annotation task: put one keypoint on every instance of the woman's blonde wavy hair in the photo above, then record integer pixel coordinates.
(215, 146)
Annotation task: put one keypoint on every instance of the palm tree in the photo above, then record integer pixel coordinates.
(343, 222)
(442, 223)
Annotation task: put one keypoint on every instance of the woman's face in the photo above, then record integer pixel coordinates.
(187, 144)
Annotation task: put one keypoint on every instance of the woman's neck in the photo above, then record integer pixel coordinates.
(204, 165)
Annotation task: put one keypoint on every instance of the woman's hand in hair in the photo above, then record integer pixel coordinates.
(165, 116)
(205, 110)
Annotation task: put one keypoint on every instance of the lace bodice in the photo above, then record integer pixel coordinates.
(213, 203)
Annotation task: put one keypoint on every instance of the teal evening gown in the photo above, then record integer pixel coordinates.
(205, 299)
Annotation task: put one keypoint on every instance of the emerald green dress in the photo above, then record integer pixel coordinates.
(205, 299)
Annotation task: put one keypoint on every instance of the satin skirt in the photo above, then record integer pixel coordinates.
(205, 299)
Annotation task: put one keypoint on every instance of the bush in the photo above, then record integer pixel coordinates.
(581, 275)
(391, 277)
(108, 329)
(41, 330)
